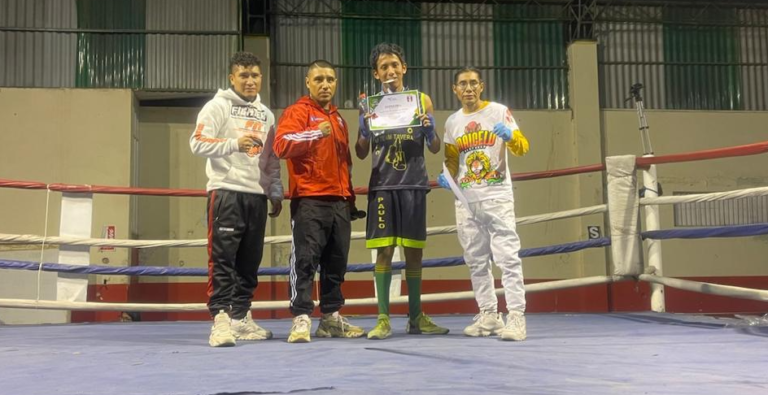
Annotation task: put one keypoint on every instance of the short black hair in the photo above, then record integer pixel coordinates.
(467, 69)
(245, 59)
(386, 49)
(320, 64)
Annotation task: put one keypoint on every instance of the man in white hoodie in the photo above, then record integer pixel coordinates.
(235, 132)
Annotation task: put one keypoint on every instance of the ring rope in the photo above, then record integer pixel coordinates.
(278, 271)
(705, 197)
(708, 288)
(283, 304)
(437, 230)
(704, 233)
(717, 153)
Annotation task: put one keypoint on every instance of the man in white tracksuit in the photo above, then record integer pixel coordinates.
(235, 132)
(477, 139)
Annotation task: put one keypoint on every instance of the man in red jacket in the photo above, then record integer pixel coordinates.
(313, 137)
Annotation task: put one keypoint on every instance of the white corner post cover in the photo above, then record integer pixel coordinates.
(76, 220)
(623, 209)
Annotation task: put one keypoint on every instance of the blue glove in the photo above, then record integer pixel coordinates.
(443, 182)
(429, 131)
(501, 130)
(364, 131)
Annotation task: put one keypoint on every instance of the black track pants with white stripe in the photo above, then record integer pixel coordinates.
(321, 233)
(236, 225)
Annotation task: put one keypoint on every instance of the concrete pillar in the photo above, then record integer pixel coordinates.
(260, 47)
(588, 143)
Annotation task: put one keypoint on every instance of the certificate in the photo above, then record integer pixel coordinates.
(456, 190)
(394, 110)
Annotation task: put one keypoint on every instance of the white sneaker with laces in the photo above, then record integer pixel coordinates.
(300, 329)
(487, 323)
(515, 328)
(221, 332)
(247, 329)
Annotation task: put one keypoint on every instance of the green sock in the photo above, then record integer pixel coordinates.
(383, 276)
(413, 279)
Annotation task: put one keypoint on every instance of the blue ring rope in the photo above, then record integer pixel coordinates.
(277, 271)
(702, 233)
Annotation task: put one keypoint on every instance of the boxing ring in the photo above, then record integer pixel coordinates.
(633, 353)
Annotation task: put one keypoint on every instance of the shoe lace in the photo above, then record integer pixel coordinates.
(382, 323)
(220, 325)
(515, 321)
(343, 323)
(300, 325)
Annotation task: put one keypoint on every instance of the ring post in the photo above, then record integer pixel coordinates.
(651, 189)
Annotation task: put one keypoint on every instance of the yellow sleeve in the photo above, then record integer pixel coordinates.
(452, 159)
(517, 145)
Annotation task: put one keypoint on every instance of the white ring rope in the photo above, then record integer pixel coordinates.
(687, 285)
(705, 197)
(437, 230)
(273, 305)
(708, 288)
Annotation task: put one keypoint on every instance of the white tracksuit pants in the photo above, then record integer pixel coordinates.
(492, 235)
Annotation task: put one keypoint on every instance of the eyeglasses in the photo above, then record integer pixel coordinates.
(471, 84)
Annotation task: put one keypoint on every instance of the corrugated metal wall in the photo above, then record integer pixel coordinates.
(702, 71)
(754, 59)
(118, 43)
(302, 39)
(531, 56)
(190, 62)
(524, 63)
(456, 43)
(706, 63)
(107, 60)
(744, 211)
(359, 36)
(38, 59)
(629, 53)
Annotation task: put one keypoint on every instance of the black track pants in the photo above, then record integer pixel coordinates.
(236, 225)
(321, 233)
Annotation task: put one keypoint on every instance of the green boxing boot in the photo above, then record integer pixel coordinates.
(382, 330)
(423, 325)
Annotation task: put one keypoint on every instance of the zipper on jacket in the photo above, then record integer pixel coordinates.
(336, 153)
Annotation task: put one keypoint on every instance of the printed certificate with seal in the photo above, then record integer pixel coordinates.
(394, 110)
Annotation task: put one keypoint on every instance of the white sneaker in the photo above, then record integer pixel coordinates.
(515, 328)
(300, 329)
(486, 323)
(246, 329)
(221, 332)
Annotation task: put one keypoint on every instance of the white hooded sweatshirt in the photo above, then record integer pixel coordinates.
(220, 123)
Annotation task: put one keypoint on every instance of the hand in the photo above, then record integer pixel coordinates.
(365, 132)
(428, 123)
(501, 130)
(277, 207)
(248, 142)
(354, 213)
(326, 128)
(443, 181)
